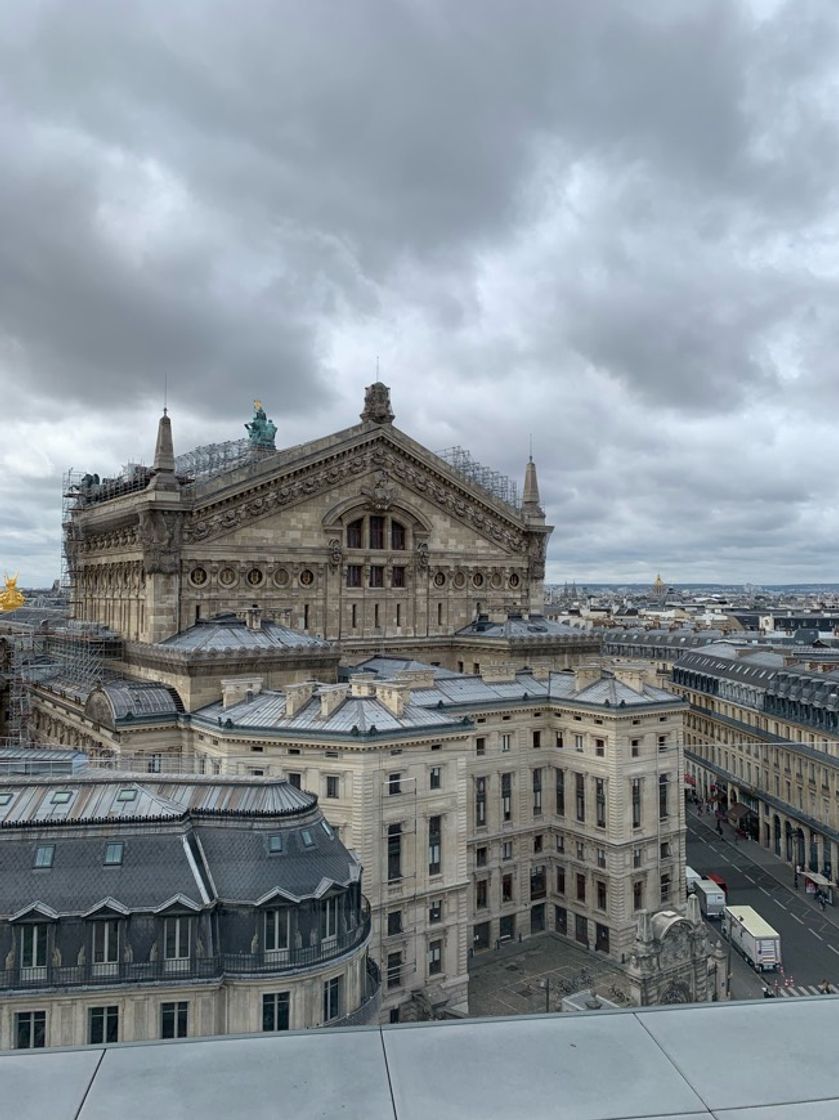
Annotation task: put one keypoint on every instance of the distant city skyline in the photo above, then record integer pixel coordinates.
(605, 229)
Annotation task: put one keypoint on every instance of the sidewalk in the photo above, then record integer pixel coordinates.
(762, 858)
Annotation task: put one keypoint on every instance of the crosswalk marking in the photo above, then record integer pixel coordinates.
(799, 990)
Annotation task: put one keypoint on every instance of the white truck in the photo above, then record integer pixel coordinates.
(691, 879)
(711, 898)
(753, 936)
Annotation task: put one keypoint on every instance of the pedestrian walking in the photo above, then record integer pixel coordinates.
(822, 900)
(719, 833)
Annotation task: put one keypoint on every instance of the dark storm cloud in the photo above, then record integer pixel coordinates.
(605, 226)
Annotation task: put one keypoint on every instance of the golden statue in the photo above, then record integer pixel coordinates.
(11, 598)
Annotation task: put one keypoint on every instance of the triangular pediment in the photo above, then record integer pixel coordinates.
(105, 907)
(380, 467)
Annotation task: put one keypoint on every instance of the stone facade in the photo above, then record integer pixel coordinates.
(359, 537)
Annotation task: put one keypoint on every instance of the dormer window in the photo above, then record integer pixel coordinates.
(114, 853)
(307, 838)
(44, 855)
(176, 941)
(275, 844)
(33, 949)
(105, 946)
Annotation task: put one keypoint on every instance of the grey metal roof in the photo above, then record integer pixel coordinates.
(141, 698)
(519, 627)
(227, 632)
(616, 693)
(763, 1060)
(388, 667)
(266, 712)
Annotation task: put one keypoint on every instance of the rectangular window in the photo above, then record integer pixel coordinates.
(105, 943)
(537, 740)
(397, 536)
(600, 802)
(665, 887)
(538, 882)
(480, 801)
(581, 888)
(580, 796)
(638, 895)
(114, 853)
(33, 946)
(506, 888)
(30, 1030)
(377, 532)
(601, 857)
(481, 745)
(507, 849)
(377, 575)
(102, 1025)
(275, 1011)
(394, 923)
(435, 841)
(581, 850)
(155, 763)
(44, 855)
(538, 842)
(663, 785)
(560, 742)
(560, 880)
(397, 576)
(435, 958)
(329, 918)
(506, 797)
(637, 857)
(354, 531)
(176, 939)
(635, 748)
(394, 970)
(332, 787)
(333, 998)
(601, 895)
(294, 778)
(560, 843)
(505, 743)
(481, 857)
(537, 793)
(636, 802)
(664, 849)
(353, 575)
(662, 742)
(276, 930)
(560, 793)
(394, 852)
(174, 1019)
(578, 742)
(561, 919)
(599, 747)
(435, 777)
(394, 783)
(435, 911)
(481, 894)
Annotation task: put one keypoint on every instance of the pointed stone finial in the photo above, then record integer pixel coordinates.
(163, 468)
(377, 404)
(530, 496)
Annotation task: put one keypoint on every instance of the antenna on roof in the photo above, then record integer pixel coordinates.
(531, 447)
(377, 367)
(165, 394)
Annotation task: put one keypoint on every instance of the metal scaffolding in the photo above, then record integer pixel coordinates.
(494, 482)
(213, 458)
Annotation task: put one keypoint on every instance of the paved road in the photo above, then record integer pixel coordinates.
(809, 938)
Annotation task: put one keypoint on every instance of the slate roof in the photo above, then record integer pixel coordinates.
(227, 632)
(198, 841)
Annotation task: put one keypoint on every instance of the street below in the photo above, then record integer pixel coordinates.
(809, 937)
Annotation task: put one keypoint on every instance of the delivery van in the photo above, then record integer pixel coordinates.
(753, 936)
(711, 898)
(691, 879)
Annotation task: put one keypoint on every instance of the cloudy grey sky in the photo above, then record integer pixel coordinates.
(612, 225)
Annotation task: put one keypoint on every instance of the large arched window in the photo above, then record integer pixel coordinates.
(377, 532)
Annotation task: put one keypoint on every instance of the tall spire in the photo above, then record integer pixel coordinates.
(530, 497)
(163, 468)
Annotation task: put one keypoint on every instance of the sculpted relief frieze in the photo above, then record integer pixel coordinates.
(389, 468)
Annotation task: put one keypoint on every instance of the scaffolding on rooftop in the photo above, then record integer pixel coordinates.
(494, 482)
(213, 458)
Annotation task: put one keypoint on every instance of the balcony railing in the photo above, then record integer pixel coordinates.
(189, 968)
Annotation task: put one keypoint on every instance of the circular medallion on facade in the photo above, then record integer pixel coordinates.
(514, 580)
(255, 577)
(478, 579)
(307, 577)
(198, 577)
(459, 579)
(227, 577)
(281, 577)
(439, 579)
(495, 580)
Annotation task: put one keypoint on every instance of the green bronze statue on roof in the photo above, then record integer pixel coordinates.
(261, 430)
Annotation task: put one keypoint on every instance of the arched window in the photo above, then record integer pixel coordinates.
(354, 533)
